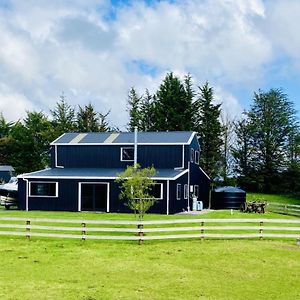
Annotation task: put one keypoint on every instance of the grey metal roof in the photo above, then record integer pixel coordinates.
(96, 173)
(6, 168)
(107, 138)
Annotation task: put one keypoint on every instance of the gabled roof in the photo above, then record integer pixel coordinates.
(97, 173)
(126, 138)
(6, 168)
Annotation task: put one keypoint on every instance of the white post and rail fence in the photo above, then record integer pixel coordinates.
(286, 209)
(151, 230)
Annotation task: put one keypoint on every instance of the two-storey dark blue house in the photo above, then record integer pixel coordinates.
(84, 167)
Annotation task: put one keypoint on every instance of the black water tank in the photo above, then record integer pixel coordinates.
(228, 197)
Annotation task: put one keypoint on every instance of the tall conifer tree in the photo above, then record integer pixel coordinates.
(172, 105)
(135, 115)
(208, 126)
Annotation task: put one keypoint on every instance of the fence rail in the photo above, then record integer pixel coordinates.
(150, 230)
(287, 209)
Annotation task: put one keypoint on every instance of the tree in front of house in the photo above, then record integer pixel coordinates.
(209, 128)
(136, 184)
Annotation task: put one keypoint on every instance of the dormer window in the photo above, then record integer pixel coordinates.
(127, 154)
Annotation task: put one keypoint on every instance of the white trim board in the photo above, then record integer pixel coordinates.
(117, 144)
(204, 173)
(107, 193)
(43, 196)
(97, 177)
(57, 138)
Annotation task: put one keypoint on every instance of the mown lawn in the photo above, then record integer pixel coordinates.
(286, 199)
(130, 217)
(211, 269)
(183, 269)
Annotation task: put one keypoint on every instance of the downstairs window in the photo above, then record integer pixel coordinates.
(43, 189)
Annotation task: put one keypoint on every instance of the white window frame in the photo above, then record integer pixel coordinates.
(92, 182)
(178, 188)
(44, 196)
(185, 191)
(196, 191)
(161, 190)
(121, 154)
(197, 157)
(192, 154)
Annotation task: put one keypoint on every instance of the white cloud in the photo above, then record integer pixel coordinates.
(74, 46)
(282, 25)
(216, 37)
(12, 104)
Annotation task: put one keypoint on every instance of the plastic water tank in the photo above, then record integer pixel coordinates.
(228, 197)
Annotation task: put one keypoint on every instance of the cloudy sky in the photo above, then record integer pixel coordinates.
(95, 50)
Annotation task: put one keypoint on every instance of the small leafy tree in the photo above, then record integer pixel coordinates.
(136, 185)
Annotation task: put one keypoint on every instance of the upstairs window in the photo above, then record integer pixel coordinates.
(43, 189)
(127, 154)
(197, 155)
(192, 155)
(156, 191)
(178, 191)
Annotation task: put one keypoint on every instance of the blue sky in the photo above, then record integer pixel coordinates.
(95, 50)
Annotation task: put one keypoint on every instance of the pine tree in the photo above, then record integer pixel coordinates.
(103, 123)
(63, 117)
(5, 126)
(226, 148)
(87, 119)
(147, 112)
(209, 129)
(272, 118)
(172, 105)
(133, 103)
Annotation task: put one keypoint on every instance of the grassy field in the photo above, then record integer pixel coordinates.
(189, 269)
(122, 216)
(286, 199)
(59, 269)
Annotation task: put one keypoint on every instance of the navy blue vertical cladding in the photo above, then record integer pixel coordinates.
(160, 156)
(117, 205)
(198, 177)
(67, 199)
(177, 206)
(21, 194)
(52, 157)
(160, 206)
(93, 156)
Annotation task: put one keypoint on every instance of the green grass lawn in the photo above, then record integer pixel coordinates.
(180, 269)
(286, 199)
(211, 269)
